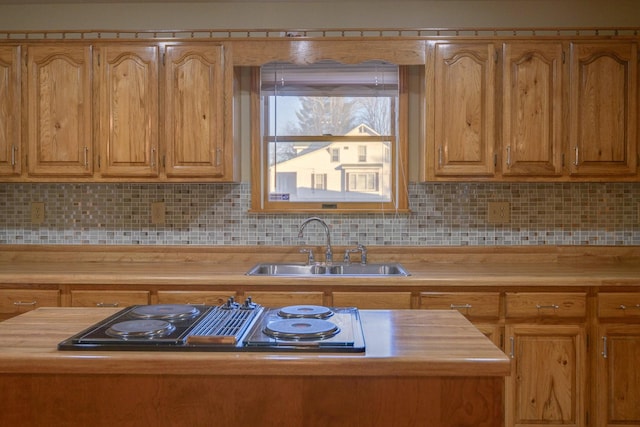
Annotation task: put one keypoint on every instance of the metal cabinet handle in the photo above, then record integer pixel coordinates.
(14, 149)
(218, 156)
(624, 307)
(21, 303)
(108, 304)
(551, 306)
(577, 157)
(459, 306)
(604, 347)
(513, 347)
(440, 156)
(153, 157)
(86, 157)
(508, 156)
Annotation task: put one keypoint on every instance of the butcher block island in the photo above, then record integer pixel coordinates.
(420, 367)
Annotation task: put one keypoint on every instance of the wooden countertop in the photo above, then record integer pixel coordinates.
(226, 266)
(398, 343)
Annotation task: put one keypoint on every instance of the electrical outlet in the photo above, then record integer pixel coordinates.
(499, 213)
(157, 213)
(37, 212)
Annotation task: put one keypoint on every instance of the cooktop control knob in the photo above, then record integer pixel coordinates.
(230, 304)
(248, 304)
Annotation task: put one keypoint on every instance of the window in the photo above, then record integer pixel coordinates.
(329, 137)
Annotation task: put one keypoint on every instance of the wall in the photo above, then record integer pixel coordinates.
(207, 214)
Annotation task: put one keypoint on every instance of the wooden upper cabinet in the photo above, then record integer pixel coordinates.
(603, 108)
(195, 96)
(128, 117)
(59, 110)
(460, 86)
(10, 110)
(532, 107)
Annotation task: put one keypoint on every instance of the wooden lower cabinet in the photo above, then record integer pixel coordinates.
(617, 355)
(373, 300)
(17, 301)
(548, 375)
(284, 298)
(481, 308)
(195, 297)
(108, 298)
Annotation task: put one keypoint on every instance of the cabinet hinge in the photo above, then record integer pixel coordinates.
(587, 341)
(26, 160)
(564, 57)
(495, 159)
(163, 58)
(495, 56)
(562, 160)
(164, 161)
(98, 60)
(98, 161)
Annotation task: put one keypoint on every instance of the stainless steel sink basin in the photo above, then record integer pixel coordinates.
(337, 270)
(368, 270)
(287, 270)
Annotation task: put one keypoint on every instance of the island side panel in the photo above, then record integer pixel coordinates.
(169, 400)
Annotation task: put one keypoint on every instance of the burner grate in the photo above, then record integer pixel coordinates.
(222, 322)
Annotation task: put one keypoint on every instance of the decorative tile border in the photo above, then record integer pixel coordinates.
(447, 214)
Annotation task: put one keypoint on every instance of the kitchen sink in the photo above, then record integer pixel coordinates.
(324, 270)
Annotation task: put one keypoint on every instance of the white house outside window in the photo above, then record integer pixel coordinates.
(329, 137)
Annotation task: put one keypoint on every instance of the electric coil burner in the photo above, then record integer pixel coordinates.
(228, 327)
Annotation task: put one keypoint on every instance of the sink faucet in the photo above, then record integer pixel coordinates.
(329, 251)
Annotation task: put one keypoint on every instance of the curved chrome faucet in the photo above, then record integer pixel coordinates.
(329, 251)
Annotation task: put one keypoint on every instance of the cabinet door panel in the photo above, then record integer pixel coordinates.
(372, 300)
(17, 301)
(59, 110)
(604, 92)
(618, 376)
(532, 106)
(282, 299)
(547, 379)
(195, 87)
(128, 110)
(107, 298)
(194, 297)
(460, 126)
(10, 111)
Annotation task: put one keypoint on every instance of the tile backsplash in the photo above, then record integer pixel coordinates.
(450, 214)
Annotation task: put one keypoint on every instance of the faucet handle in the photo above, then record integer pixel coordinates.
(347, 255)
(309, 252)
(363, 253)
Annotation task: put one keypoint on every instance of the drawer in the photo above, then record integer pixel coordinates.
(194, 297)
(372, 300)
(471, 304)
(16, 301)
(108, 298)
(546, 304)
(619, 304)
(283, 299)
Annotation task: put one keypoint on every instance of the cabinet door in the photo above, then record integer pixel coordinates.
(127, 83)
(603, 108)
(17, 301)
(532, 109)
(59, 110)
(195, 97)
(105, 298)
(194, 297)
(460, 123)
(283, 299)
(10, 110)
(618, 377)
(547, 382)
(373, 300)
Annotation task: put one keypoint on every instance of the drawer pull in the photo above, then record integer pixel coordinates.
(604, 347)
(624, 307)
(459, 306)
(21, 303)
(513, 345)
(196, 303)
(108, 304)
(551, 306)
